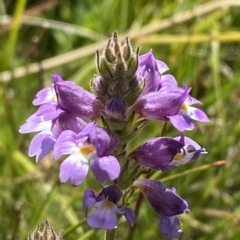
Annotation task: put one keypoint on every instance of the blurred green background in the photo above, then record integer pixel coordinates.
(199, 41)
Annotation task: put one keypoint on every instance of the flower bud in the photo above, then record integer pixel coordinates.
(48, 233)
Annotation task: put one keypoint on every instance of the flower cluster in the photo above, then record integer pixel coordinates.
(93, 130)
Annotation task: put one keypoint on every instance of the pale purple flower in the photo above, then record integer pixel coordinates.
(184, 119)
(157, 153)
(89, 148)
(188, 153)
(106, 208)
(47, 98)
(43, 142)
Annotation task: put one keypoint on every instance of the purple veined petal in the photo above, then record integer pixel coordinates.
(89, 200)
(191, 100)
(168, 82)
(106, 168)
(35, 124)
(129, 214)
(65, 144)
(158, 105)
(49, 111)
(162, 67)
(170, 227)
(164, 201)
(156, 153)
(181, 122)
(105, 215)
(68, 121)
(45, 95)
(41, 145)
(149, 70)
(197, 114)
(104, 141)
(74, 168)
(188, 142)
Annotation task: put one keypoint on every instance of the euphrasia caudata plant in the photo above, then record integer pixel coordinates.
(92, 131)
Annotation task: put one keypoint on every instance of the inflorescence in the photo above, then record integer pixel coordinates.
(93, 129)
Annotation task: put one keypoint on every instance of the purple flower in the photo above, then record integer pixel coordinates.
(170, 227)
(165, 202)
(184, 119)
(189, 152)
(91, 147)
(159, 105)
(157, 153)
(74, 99)
(151, 70)
(43, 142)
(106, 208)
(47, 98)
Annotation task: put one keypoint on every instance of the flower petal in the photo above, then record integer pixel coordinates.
(41, 145)
(45, 95)
(105, 215)
(156, 153)
(34, 124)
(65, 144)
(106, 168)
(49, 111)
(181, 122)
(198, 114)
(170, 227)
(164, 201)
(74, 99)
(158, 105)
(129, 214)
(89, 199)
(74, 168)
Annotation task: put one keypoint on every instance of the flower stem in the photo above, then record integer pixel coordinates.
(110, 234)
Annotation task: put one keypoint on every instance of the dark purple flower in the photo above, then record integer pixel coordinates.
(164, 200)
(74, 99)
(157, 153)
(106, 208)
(189, 152)
(159, 105)
(170, 227)
(85, 149)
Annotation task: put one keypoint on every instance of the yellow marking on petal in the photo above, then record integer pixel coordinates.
(87, 150)
(178, 156)
(184, 107)
(108, 204)
(55, 97)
